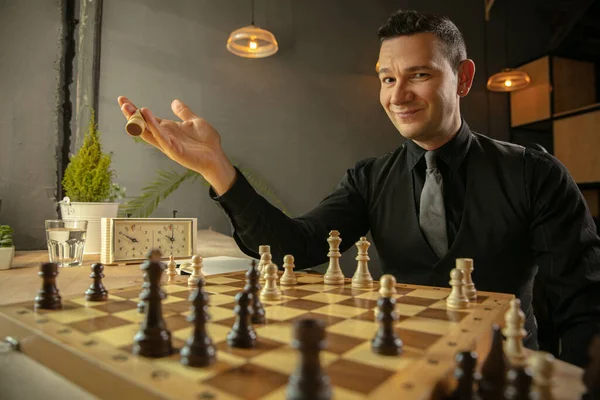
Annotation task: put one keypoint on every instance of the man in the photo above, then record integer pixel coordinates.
(447, 192)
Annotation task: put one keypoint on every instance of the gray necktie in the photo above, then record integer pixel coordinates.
(432, 215)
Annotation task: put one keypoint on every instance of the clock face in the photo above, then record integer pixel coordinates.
(133, 238)
(172, 239)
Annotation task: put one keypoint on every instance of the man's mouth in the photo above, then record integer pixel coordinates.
(406, 113)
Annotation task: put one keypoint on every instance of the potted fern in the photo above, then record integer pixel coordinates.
(90, 193)
(7, 249)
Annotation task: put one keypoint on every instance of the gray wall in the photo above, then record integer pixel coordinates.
(299, 118)
(30, 34)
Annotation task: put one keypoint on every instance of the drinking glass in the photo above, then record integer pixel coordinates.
(66, 241)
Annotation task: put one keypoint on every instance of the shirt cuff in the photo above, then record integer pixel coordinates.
(238, 198)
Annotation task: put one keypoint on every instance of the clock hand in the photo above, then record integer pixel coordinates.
(134, 240)
(170, 238)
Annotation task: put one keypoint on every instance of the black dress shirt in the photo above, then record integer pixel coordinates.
(540, 213)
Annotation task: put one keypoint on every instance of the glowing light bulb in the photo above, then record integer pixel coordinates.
(253, 45)
(508, 83)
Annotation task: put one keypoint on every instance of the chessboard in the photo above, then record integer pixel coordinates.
(91, 343)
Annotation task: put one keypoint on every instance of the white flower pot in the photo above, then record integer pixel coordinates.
(6, 257)
(91, 212)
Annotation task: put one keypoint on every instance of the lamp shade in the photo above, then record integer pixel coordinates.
(252, 42)
(508, 80)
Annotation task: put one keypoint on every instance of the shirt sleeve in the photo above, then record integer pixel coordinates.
(257, 222)
(567, 251)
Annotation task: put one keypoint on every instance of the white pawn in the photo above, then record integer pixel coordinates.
(288, 278)
(456, 299)
(334, 274)
(171, 270)
(270, 291)
(262, 249)
(196, 271)
(265, 260)
(514, 332)
(466, 266)
(387, 288)
(362, 277)
(542, 368)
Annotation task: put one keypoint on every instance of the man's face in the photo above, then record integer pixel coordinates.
(418, 87)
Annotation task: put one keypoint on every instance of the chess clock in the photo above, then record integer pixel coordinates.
(130, 239)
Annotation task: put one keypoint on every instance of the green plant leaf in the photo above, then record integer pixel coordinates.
(166, 183)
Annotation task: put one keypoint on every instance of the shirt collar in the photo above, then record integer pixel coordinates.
(452, 153)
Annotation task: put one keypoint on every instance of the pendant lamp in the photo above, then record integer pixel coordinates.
(252, 41)
(508, 80)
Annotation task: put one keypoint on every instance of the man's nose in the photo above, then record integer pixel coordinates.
(401, 94)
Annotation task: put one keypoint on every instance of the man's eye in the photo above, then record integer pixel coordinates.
(420, 75)
(387, 80)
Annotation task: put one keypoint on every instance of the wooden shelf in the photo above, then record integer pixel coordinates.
(577, 111)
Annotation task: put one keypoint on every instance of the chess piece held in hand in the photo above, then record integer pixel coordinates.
(362, 277)
(288, 278)
(97, 291)
(199, 350)
(136, 124)
(334, 274)
(309, 380)
(386, 342)
(48, 297)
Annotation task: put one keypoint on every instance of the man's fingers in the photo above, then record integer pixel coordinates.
(147, 137)
(182, 110)
(152, 124)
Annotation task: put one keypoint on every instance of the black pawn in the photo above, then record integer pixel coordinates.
(48, 297)
(386, 342)
(152, 255)
(242, 334)
(253, 286)
(494, 368)
(153, 339)
(309, 380)
(97, 291)
(519, 384)
(591, 374)
(465, 375)
(199, 350)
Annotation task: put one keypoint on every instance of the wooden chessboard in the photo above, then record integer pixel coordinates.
(90, 343)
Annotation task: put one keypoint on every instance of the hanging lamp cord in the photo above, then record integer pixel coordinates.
(252, 12)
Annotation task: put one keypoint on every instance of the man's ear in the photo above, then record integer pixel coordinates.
(465, 74)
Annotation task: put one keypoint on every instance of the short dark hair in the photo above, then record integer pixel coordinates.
(409, 22)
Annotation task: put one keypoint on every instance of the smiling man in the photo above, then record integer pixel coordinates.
(447, 192)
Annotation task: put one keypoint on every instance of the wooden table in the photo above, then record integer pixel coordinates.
(21, 282)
